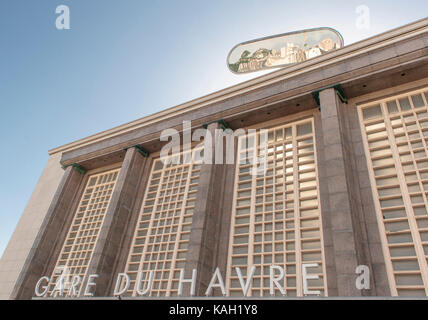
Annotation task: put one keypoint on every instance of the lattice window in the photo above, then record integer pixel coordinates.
(276, 215)
(163, 229)
(395, 132)
(82, 236)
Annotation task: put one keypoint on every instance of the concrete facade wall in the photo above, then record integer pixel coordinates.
(350, 230)
(23, 239)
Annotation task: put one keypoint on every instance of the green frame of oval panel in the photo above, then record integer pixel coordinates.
(296, 52)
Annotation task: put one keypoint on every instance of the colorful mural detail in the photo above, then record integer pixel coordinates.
(283, 50)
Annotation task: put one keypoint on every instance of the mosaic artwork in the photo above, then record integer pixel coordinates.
(282, 50)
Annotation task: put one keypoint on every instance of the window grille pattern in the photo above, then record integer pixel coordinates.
(163, 228)
(395, 134)
(276, 215)
(82, 236)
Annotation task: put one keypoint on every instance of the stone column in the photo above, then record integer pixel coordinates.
(340, 225)
(114, 233)
(211, 222)
(225, 218)
(48, 242)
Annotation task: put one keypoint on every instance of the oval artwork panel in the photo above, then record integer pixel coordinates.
(283, 49)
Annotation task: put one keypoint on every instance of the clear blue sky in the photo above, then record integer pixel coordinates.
(125, 59)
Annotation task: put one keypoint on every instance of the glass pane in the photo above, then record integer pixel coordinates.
(396, 226)
(372, 112)
(400, 238)
(409, 280)
(409, 265)
(402, 252)
(392, 107)
(405, 104)
(304, 129)
(418, 101)
(411, 292)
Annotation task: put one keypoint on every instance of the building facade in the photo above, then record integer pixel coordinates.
(345, 185)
